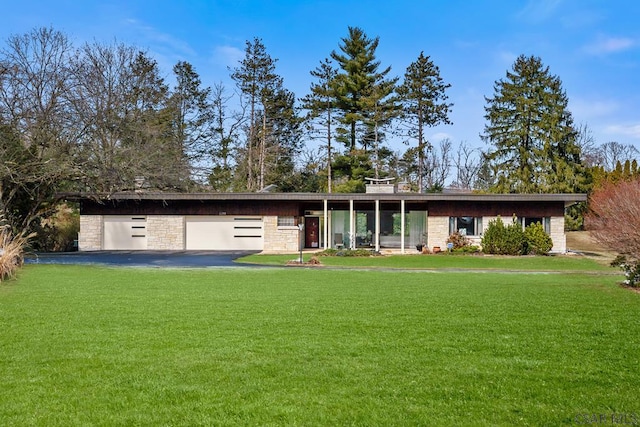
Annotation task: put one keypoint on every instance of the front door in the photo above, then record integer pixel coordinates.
(312, 232)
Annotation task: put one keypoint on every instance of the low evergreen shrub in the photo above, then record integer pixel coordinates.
(501, 239)
(538, 242)
(347, 252)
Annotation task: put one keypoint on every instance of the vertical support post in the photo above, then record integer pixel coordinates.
(352, 226)
(402, 225)
(377, 225)
(326, 225)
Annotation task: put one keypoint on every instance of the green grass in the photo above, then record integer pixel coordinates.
(106, 346)
(444, 261)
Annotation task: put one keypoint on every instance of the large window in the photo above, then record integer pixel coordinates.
(545, 221)
(465, 225)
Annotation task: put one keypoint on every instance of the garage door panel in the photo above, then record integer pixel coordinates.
(125, 233)
(224, 233)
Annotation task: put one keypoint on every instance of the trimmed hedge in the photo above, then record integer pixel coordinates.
(501, 239)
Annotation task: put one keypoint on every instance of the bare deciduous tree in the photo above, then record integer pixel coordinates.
(36, 148)
(467, 163)
(614, 216)
(437, 165)
(611, 153)
(102, 79)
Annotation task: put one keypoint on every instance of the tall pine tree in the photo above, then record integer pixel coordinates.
(193, 117)
(531, 131)
(425, 104)
(356, 82)
(320, 105)
(258, 82)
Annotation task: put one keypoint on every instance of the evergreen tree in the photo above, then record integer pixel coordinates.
(150, 119)
(355, 82)
(424, 100)
(193, 116)
(381, 107)
(258, 82)
(320, 106)
(532, 133)
(363, 98)
(281, 136)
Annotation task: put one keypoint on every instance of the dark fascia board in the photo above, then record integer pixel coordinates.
(568, 199)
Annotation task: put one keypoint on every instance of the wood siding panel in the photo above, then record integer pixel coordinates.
(189, 207)
(504, 209)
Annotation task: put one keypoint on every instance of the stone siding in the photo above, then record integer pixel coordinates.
(557, 234)
(437, 231)
(165, 232)
(90, 235)
(279, 239)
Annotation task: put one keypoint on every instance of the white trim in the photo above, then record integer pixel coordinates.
(402, 226)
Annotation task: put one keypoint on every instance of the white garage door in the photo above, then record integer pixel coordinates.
(125, 233)
(224, 233)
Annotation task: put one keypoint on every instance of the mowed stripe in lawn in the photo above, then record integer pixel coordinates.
(90, 345)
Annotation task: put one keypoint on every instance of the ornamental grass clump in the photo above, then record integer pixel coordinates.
(12, 248)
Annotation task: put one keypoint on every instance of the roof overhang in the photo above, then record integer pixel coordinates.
(567, 198)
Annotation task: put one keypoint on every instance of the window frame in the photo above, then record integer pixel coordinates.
(286, 221)
(544, 220)
(476, 221)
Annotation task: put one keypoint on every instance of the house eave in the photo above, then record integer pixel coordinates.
(567, 198)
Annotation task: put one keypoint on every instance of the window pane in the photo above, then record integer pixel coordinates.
(466, 225)
(286, 221)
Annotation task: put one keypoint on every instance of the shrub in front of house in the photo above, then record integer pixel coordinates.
(470, 249)
(460, 244)
(458, 240)
(347, 252)
(501, 239)
(538, 242)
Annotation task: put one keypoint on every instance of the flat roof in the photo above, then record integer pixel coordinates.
(567, 198)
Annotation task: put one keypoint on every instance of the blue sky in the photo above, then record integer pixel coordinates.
(593, 46)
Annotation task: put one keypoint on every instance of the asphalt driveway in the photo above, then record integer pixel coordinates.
(143, 258)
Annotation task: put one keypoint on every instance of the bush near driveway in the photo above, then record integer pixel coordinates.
(12, 249)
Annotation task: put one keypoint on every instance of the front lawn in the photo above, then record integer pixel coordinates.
(132, 346)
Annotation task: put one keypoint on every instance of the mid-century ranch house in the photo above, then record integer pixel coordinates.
(379, 219)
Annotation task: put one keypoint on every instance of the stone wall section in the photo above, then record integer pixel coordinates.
(557, 235)
(437, 231)
(279, 239)
(166, 232)
(90, 235)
